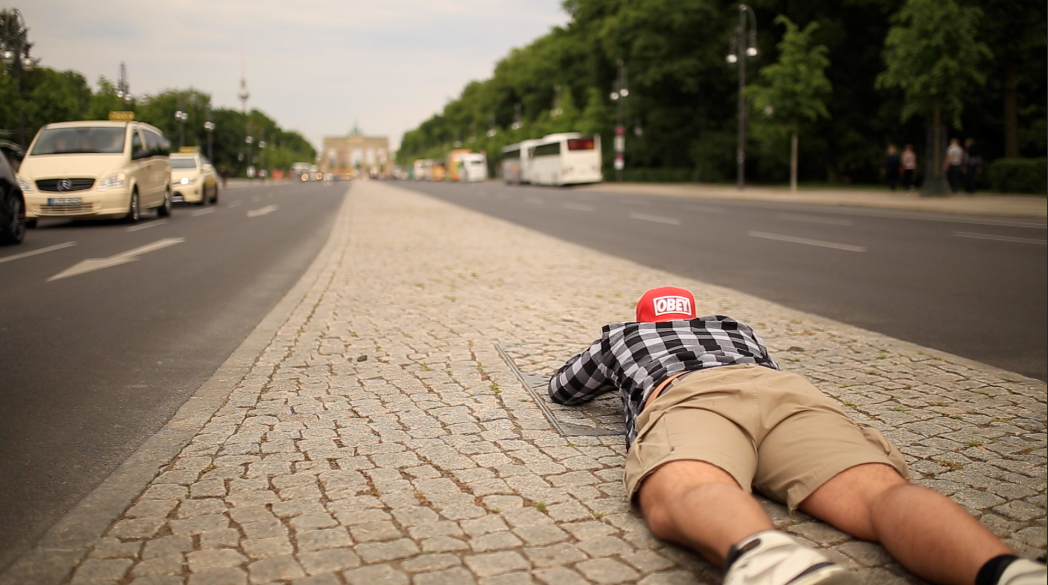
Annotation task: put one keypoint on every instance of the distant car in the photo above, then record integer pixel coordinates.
(12, 202)
(193, 179)
(96, 169)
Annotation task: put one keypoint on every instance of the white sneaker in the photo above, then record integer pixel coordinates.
(773, 558)
(1024, 572)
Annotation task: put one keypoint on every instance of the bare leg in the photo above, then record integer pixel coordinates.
(700, 506)
(925, 531)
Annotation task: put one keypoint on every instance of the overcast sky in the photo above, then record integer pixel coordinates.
(314, 66)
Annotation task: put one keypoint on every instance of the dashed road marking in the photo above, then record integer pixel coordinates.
(146, 226)
(655, 218)
(1000, 238)
(814, 219)
(806, 241)
(37, 252)
(262, 211)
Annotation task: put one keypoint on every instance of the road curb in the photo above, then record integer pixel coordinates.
(64, 545)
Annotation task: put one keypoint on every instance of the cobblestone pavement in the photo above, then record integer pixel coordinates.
(386, 432)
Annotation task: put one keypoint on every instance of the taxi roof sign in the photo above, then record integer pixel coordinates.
(188, 149)
(121, 116)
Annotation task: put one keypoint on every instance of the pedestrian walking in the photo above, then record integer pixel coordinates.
(710, 417)
(972, 164)
(909, 167)
(952, 164)
(224, 174)
(892, 167)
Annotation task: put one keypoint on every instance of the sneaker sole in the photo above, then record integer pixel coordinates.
(831, 575)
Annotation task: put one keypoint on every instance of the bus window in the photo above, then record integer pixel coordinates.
(546, 149)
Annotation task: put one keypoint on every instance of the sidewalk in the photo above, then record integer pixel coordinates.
(978, 204)
(378, 427)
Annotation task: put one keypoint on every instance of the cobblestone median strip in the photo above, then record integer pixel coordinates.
(382, 437)
(600, 417)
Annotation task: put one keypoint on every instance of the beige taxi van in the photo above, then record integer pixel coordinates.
(96, 169)
(193, 177)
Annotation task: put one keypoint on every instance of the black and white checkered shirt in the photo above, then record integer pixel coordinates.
(634, 357)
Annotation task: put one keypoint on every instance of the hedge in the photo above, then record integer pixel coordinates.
(1019, 175)
(661, 175)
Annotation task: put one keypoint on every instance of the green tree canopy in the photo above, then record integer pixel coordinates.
(932, 54)
(795, 87)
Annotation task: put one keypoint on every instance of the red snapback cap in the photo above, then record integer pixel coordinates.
(665, 304)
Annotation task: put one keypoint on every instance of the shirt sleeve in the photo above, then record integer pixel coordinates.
(582, 378)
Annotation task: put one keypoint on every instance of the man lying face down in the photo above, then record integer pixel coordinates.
(710, 417)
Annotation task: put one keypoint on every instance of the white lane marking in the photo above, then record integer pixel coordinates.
(145, 226)
(813, 219)
(200, 212)
(655, 218)
(36, 252)
(704, 208)
(808, 242)
(262, 211)
(578, 207)
(1000, 238)
(92, 264)
(535, 200)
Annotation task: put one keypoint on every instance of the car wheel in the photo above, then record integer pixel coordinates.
(214, 195)
(203, 198)
(13, 230)
(133, 212)
(30, 223)
(165, 208)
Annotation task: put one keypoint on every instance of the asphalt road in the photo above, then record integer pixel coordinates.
(94, 363)
(971, 286)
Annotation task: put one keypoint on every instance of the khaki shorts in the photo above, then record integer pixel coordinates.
(772, 431)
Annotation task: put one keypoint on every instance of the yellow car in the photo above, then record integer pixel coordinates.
(193, 179)
(96, 169)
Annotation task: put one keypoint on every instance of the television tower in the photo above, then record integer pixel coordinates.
(243, 94)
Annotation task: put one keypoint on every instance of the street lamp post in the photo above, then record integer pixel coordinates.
(743, 44)
(16, 55)
(123, 88)
(262, 157)
(619, 92)
(181, 115)
(210, 127)
(516, 125)
(250, 163)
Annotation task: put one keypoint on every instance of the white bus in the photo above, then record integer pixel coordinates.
(566, 159)
(516, 162)
(474, 168)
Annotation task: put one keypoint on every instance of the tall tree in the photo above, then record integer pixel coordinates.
(56, 96)
(796, 85)
(933, 55)
(1016, 34)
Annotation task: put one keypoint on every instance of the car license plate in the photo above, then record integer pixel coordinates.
(64, 201)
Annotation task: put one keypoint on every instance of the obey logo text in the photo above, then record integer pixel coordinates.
(664, 305)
